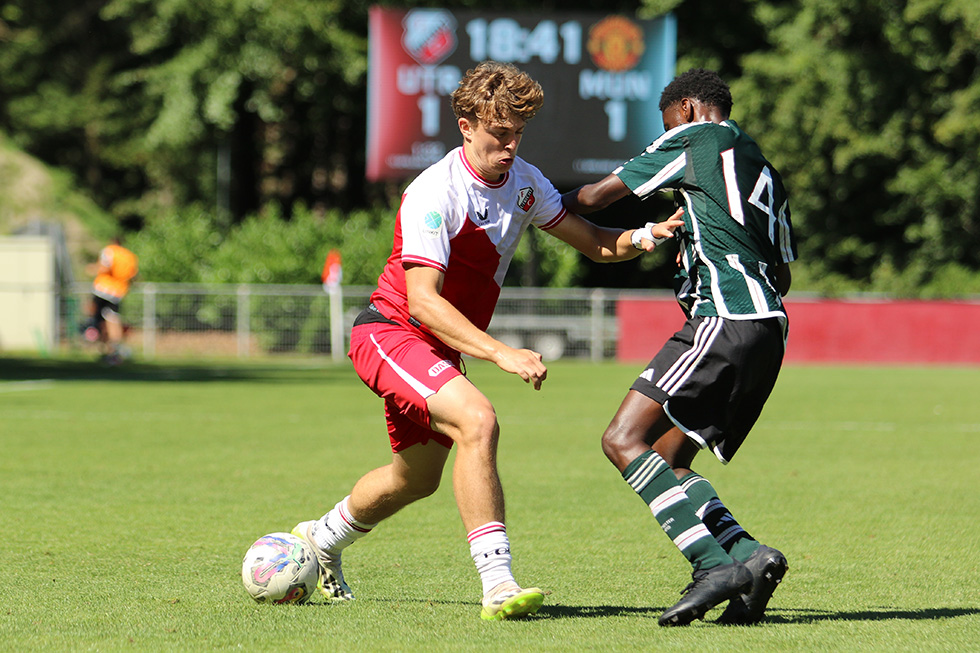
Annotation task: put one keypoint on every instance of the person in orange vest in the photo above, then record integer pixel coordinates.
(113, 272)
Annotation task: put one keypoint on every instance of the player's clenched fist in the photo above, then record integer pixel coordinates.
(525, 363)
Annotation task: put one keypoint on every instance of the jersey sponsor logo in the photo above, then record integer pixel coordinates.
(433, 224)
(482, 217)
(439, 367)
(525, 198)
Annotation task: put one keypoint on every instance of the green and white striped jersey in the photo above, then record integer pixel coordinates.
(736, 218)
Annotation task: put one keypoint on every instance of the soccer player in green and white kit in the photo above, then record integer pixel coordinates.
(707, 385)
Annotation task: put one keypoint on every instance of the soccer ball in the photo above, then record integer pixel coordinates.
(280, 568)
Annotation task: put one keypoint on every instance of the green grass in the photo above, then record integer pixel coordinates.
(130, 495)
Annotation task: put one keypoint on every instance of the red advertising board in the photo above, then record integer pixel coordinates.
(602, 75)
(830, 331)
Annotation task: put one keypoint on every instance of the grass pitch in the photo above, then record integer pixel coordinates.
(129, 497)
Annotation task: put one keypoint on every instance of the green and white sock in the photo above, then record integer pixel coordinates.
(654, 480)
(717, 518)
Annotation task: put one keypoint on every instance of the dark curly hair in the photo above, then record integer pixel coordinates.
(702, 85)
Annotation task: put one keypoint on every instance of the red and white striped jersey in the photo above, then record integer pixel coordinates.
(455, 221)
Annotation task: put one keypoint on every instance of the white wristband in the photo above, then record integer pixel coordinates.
(646, 232)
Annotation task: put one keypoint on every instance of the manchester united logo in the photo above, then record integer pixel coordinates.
(616, 44)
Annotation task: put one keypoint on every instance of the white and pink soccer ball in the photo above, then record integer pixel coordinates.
(280, 568)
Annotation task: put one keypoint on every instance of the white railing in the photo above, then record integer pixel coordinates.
(250, 320)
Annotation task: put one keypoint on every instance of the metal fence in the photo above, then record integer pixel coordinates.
(181, 320)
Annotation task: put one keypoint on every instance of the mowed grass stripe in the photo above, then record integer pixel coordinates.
(128, 499)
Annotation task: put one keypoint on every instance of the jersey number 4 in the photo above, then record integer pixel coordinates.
(763, 186)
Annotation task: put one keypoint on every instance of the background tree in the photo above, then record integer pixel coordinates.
(57, 64)
(262, 94)
(235, 111)
(870, 109)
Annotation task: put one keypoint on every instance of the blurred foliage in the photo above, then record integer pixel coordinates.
(193, 246)
(29, 189)
(233, 132)
(871, 110)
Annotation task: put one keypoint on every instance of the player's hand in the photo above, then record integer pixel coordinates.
(655, 233)
(667, 228)
(524, 363)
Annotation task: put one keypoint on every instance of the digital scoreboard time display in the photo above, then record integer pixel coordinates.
(602, 75)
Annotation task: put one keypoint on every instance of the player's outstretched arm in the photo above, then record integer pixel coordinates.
(426, 305)
(593, 197)
(604, 244)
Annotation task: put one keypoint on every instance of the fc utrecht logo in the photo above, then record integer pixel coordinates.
(430, 35)
(525, 198)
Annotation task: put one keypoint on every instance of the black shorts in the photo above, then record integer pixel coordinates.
(713, 378)
(104, 308)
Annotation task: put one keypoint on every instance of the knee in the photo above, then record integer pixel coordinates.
(620, 440)
(479, 428)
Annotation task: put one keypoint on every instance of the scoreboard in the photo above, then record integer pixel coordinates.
(602, 76)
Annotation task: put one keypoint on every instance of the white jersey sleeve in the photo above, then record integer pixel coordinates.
(541, 199)
(429, 216)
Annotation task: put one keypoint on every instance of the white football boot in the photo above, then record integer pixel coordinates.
(509, 601)
(331, 583)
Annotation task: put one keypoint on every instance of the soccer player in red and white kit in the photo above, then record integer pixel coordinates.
(457, 229)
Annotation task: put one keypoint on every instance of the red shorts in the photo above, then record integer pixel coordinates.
(404, 369)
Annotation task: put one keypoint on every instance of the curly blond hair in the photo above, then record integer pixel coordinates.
(495, 92)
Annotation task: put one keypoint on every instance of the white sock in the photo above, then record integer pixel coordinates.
(490, 550)
(337, 529)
